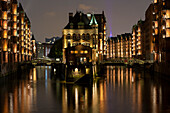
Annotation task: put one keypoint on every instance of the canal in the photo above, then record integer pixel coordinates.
(121, 90)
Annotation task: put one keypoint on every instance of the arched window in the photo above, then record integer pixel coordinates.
(74, 36)
(84, 37)
(68, 36)
(78, 37)
(88, 36)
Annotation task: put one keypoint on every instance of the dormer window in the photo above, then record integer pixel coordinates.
(80, 25)
(71, 25)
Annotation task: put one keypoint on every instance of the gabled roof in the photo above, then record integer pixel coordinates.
(79, 19)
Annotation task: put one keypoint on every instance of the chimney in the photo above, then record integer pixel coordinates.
(70, 17)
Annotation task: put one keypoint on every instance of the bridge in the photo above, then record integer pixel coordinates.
(127, 61)
(43, 62)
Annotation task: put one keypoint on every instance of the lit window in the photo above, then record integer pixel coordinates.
(155, 1)
(86, 52)
(74, 36)
(167, 32)
(81, 52)
(76, 52)
(83, 36)
(167, 23)
(88, 37)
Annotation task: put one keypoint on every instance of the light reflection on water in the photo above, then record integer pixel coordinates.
(122, 90)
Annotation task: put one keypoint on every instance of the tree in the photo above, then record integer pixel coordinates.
(56, 50)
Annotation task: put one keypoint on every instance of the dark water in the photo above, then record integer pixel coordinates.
(122, 91)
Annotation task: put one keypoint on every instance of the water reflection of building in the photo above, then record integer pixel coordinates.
(87, 31)
(23, 96)
(20, 98)
(122, 87)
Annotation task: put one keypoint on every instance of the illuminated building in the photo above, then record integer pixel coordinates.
(138, 40)
(148, 51)
(43, 49)
(84, 38)
(120, 46)
(161, 28)
(102, 43)
(15, 32)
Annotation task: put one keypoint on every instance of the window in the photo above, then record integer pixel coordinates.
(167, 23)
(85, 51)
(68, 36)
(83, 37)
(88, 37)
(72, 52)
(68, 42)
(94, 39)
(74, 36)
(76, 52)
(78, 37)
(168, 33)
(71, 25)
(81, 52)
(155, 1)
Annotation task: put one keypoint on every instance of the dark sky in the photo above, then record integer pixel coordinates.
(49, 17)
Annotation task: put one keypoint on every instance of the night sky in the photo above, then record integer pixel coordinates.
(49, 17)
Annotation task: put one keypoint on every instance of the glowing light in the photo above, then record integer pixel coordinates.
(87, 71)
(76, 98)
(76, 70)
(34, 74)
(110, 34)
(132, 79)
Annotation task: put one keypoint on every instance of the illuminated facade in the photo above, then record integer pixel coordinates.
(120, 46)
(102, 41)
(15, 34)
(161, 28)
(84, 38)
(43, 49)
(138, 40)
(148, 50)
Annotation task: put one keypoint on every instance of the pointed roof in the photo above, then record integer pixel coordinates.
(79, 19)
(33, 38)
(93, 20)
